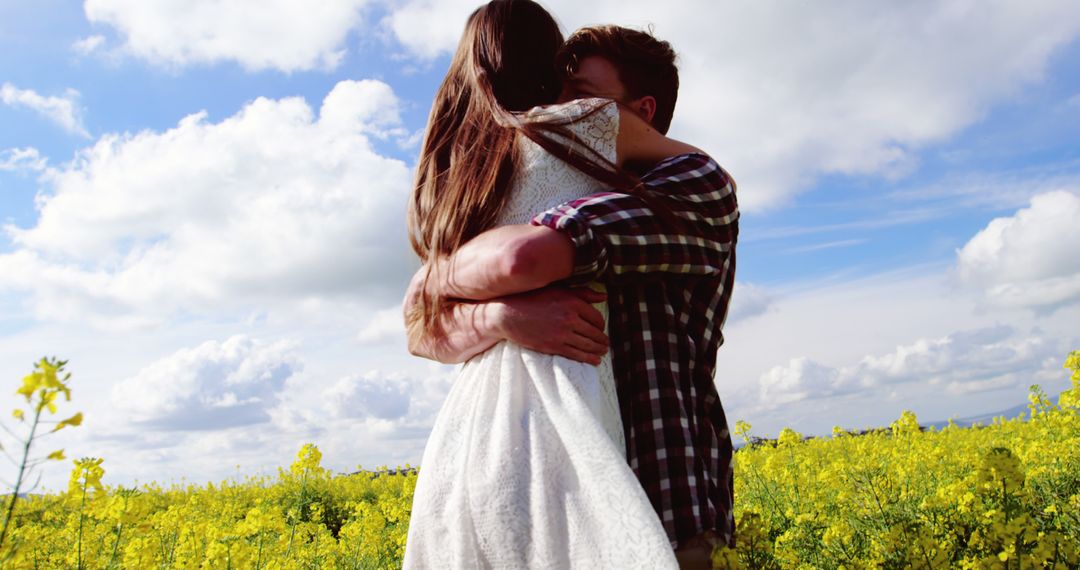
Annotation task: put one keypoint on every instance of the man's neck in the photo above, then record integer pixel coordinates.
(638, 168)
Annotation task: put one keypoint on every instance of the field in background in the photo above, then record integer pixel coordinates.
(1005, 495)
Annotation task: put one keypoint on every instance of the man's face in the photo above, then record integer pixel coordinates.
(595, 76)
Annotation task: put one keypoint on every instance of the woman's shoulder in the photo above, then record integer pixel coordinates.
(573, 109)
(592, 123)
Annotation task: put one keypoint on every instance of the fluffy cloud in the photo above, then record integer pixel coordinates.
(964, 362)
(275, 34)
(1029, 259)
(212, 386)
(747, 300)
(781, 93)
(386, 325)
(370, 395)
(800, 379)
(427, 28)
(64, 111)
(271, 204)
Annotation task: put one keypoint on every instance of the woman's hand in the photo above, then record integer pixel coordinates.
(551, 320)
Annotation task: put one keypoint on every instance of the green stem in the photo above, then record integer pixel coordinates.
(792, 463)
(292, 532)
(82, 515)
(119, 533)
(258, 559)
(926, 556)
(22, 473)
(767, 493)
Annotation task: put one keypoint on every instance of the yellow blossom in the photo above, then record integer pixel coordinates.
(72, 421)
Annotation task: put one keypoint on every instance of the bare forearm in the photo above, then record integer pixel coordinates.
(503, 261)
(550, 320)
(467, 330)
(464, 329)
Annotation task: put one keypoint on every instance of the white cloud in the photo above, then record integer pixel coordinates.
(64, 111)
(747, 300)
(1029, 259)
(428, 29)
(781, 93)
(88, 45)
(271, 205)
(20, 159)
(368, 107)
(800, 379)
(386, 325)
(964, 362)
(370, 395)
(268, 34)
(212, 386)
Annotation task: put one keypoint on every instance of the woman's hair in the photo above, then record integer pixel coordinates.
(466, 158)
(503, 66)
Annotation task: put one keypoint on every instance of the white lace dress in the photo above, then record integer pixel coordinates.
(525, 466)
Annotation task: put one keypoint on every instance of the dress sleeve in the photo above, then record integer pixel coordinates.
(593, 121)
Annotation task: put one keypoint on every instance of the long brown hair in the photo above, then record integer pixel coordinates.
(504, 65)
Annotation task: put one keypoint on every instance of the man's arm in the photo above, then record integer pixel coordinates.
(609, 236)
(618, 237)
(503, 261)
(552, 321)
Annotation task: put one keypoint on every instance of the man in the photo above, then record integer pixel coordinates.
(668, 287)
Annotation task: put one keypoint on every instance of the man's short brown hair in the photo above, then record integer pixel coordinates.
(645, 64)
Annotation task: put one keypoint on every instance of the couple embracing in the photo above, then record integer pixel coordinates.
(579, 264)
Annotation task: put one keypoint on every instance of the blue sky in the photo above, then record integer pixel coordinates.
(203, 210)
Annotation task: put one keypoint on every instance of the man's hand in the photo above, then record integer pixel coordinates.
(556, 320)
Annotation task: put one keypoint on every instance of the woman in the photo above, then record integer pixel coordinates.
(525, 466)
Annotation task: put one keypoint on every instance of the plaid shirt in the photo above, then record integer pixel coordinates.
(668, 298)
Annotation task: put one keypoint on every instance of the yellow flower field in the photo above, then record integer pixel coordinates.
(302, 518)
(1005, 495)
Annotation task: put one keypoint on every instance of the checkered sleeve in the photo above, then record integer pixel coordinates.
(618, 237)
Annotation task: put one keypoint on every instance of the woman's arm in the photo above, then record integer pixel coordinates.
(639, 142)
(552, 321)
(467, 328)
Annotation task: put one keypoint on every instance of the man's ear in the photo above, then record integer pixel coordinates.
(645, 107)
